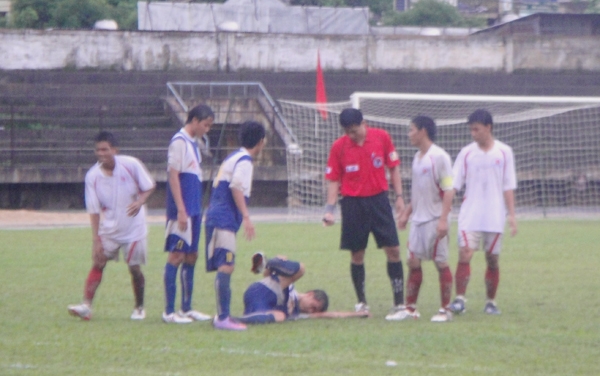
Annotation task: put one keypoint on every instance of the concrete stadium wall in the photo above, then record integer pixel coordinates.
(237, 52)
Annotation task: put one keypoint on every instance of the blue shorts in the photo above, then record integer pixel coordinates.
(175, 243)
(220, 247)
(259, 298)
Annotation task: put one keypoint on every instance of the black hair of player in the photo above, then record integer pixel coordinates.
(200, 112)
(350, 117)
(251, 132)
(427, 123)
(481, 116)
(105, 136)
(321, 296)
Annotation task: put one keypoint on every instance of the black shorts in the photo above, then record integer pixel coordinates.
(363, 215)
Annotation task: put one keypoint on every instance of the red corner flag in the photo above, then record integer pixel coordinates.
(321, 94)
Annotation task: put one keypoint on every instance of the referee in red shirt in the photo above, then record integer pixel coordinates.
(356, 170)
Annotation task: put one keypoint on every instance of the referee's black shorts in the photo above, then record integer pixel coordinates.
(363, 215)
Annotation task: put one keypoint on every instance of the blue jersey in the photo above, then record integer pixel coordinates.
(267, 295)
(235, 173)
(184, 157)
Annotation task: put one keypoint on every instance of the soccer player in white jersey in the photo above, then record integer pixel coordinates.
(430, 205)
(184, 214)
(227, 211)
(116, 189)
(486, 167)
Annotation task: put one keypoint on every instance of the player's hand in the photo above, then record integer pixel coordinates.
(249, 231)
(134, 208)
(399, 204)
(442, 228)
(512, 223)
(182, 220)
(402, 221)
(328, 219)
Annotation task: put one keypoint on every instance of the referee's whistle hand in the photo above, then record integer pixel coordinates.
(328, 220)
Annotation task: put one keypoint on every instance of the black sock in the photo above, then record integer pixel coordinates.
(396, 274)
(358, 279)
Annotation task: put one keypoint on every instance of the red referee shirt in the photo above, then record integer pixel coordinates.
(361, 169)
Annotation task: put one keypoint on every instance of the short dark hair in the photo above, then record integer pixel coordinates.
(480, 116)
(251, 132)
(321, 296)
(350, 117)
(427, 123)
(108, 137)
(200, 112)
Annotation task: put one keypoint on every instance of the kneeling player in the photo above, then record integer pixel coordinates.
(274, 298)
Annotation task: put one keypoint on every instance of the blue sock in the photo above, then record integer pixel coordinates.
(170, 278)
(257, 318)
(187, 286)
(284, 268)
(223, 292)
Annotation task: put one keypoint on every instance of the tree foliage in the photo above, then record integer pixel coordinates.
(431, 13)
(377, 7)
(72, 14)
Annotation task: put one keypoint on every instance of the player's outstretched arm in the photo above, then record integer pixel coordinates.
(337, 315)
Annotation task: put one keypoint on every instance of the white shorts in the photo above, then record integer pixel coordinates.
(423, 243)
(134, 253)
(492, 241)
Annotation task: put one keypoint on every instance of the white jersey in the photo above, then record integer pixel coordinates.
(486, 175)
(431, 176)
(110, 196)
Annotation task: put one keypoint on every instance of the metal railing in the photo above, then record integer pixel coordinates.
(183, 91)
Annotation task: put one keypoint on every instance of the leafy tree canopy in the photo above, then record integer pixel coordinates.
(72, 14)
(431, 13)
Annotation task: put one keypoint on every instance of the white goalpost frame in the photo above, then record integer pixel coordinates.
(556, 141)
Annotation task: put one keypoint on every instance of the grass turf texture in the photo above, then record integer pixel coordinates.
(548, 296)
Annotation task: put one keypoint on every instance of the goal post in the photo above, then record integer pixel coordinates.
(556, 142)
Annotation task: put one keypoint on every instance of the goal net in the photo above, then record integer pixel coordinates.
(556, 142)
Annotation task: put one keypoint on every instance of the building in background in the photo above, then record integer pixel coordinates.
(4, 8)
(265, 16)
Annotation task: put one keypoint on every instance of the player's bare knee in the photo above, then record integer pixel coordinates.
(299, 273)
(465, 254)
(190, 258)
(227, 269)
(358, 257)
(392, 253)
(99, 262)
(492, 261)
(440, 265)
(135, 271)
(413, 263)
(175, 258)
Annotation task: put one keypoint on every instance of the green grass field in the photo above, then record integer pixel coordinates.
(548, 296)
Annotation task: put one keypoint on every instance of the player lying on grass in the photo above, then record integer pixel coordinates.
(274, 298)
